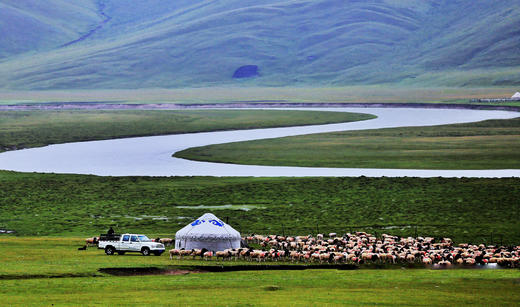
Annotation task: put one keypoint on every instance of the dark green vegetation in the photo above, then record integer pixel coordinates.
(29, 262)
(491, 144)
(476, 210)
(156, 43)
(23, 129)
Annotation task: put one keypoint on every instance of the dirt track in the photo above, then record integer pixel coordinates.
(259, 104)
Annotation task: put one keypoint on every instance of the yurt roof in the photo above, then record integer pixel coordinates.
(516, 95)
(208, 227)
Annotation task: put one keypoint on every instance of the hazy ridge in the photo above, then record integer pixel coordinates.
(156, 43)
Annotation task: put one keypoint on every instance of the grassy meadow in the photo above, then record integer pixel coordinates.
(23, 129)
(273, 288)
(474, 210)
(491, 144)
(54, 272)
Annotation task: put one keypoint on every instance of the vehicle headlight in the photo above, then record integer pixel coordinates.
(159, 246)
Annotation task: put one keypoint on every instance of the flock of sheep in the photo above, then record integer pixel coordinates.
(361, 247)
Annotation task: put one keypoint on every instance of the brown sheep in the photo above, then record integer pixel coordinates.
(174, 252)
(207, 255)
(223, 254)
(166, 241)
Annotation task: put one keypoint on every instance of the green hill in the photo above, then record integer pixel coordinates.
(36, 26)
(156, 43)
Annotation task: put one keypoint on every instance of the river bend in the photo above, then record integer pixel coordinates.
(152, 156)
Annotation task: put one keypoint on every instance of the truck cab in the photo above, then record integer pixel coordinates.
(129, 242)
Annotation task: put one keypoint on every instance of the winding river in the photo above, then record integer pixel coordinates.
(151, 156)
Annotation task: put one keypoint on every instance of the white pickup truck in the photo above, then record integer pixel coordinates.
(129, 242)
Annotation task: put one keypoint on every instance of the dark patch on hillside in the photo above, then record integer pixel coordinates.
(246, 71)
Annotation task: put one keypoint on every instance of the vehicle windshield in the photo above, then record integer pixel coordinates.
(143, 238)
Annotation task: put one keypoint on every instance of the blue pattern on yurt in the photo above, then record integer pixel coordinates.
(214, 222)
(217, 223)
(197, 222)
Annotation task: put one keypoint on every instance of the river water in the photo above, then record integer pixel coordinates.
(151, 156)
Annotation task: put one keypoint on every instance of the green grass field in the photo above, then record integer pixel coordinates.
(475, 210)
(23, 129)
(299, 288)
(51, 271)
(491, 144)
(274, 288)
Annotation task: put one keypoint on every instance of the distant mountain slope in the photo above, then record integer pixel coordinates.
(474, 34)
(157, 43)
(35, 25)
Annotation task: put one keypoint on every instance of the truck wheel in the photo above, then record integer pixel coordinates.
(145, 251)
(109, 250)
(120, 253)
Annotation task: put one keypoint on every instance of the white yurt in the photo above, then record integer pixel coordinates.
(209, 232)
(516, 96)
